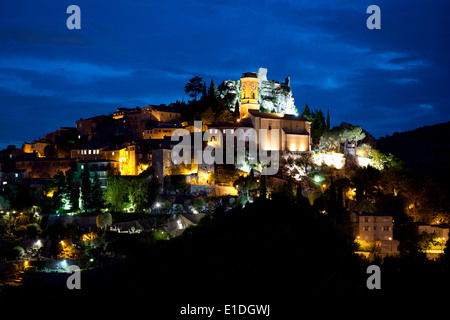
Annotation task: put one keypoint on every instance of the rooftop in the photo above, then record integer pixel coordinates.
(268, 115)
(372, 214)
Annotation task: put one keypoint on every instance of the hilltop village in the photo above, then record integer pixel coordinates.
(114, 173)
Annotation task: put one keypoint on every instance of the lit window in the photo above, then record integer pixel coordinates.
(89, 152)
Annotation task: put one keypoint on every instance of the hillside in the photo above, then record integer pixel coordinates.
(426, 149)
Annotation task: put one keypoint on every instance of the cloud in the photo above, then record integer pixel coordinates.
(138, 52)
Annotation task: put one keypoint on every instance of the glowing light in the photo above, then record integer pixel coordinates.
(157, 204)
(336, 160)
(364, 161)
(351, 193)
(318, 178)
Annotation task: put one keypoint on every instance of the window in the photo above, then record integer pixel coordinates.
(366, 219)
(366, 228)
(385, 228)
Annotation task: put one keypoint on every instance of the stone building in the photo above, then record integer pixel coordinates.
(376, 229)
(294, 131)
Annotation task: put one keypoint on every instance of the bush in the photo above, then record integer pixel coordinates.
(104, 220)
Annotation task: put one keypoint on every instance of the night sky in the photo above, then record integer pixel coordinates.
(140, 52)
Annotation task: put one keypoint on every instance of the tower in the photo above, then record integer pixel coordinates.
(249, 93)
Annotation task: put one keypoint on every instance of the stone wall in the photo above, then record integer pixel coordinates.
(211, 191)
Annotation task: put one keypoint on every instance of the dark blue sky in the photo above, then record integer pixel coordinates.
(140, 52)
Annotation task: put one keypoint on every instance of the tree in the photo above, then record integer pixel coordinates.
(97, 194)
(237, 113)
(246, 187)
(318, 126)
(104, 220)
(212, 91)
(306, 112)
(194, 87)
(356, 134)
(74, 191)
(204, 91)
(328, 119)
(224, 115)
(116, 193)
(208, 116)
(86, 189)
(329, 141)
(61, 194)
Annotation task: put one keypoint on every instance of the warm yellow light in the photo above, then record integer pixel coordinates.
(62, 242)
(50, 194)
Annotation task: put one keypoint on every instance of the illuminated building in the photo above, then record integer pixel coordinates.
(375, 228)
(294, 131)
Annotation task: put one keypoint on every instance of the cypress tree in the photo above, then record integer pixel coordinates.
(97, 193)
(236, 112)
(328, 119)
(86, 190)
(306, 112)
